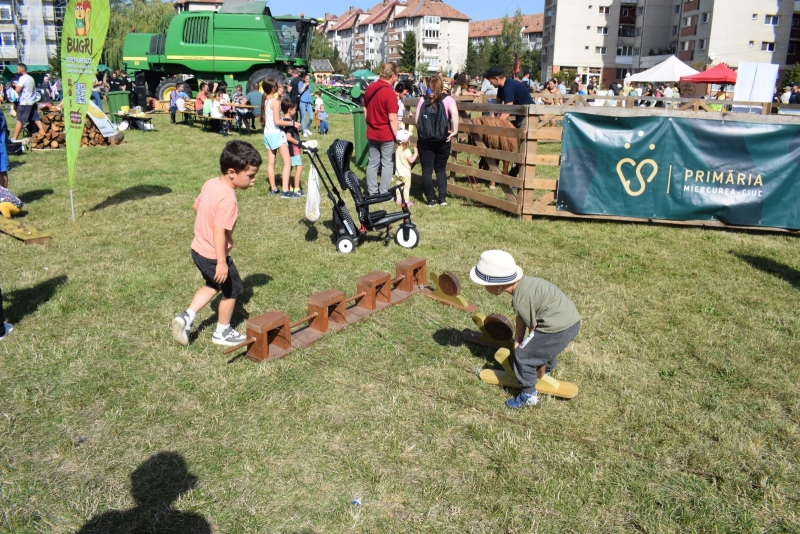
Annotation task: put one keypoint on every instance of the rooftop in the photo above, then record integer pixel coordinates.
(434, 8)
(492, 27)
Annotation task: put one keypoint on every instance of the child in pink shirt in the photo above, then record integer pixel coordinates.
(217, 211)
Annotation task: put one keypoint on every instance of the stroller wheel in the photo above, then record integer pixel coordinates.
(407, 237)
(345, 245)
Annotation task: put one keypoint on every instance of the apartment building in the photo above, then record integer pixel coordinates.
(30, 30)
(611, 38)
(481, 31)
(375, 35)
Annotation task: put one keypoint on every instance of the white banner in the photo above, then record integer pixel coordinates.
(33, 32)
(100, 120)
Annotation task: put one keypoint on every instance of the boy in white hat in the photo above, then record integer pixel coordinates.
(541, 308)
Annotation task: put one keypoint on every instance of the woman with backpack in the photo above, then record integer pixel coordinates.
(437, 124)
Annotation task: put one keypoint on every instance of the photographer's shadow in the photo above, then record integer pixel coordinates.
(155, 486)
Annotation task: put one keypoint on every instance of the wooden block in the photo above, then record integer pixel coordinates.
(329, 307)
(28, 234)
(377, 288)
(414, 273)
(272, 335)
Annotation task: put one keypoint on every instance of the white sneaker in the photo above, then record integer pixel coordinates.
(180, 329)
(8, 328)
(305, 133)
(309, 133)
(229, 337)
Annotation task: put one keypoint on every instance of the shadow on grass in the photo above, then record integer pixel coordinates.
(26, 301)
(137, 192)
(155, 486)
(770, 266)
(451, 337)
(240, 315)
(33, 196)
(311, 230)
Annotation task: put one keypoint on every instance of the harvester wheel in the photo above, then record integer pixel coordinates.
(165, 88)
(254, 83)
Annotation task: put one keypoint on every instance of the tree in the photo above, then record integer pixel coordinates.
(141, 16)
(471, 65)
(792, 74)
(408, 53)
(509, 43)
(54, 63)
(531, 61)
(321, 49)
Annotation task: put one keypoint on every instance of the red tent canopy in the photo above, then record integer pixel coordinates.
(718, 74)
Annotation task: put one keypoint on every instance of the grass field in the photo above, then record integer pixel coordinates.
(687, 419)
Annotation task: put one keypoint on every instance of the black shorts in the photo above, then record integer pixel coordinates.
(27, 114)
(231, 287)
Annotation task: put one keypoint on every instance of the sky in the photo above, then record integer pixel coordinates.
(475, 9)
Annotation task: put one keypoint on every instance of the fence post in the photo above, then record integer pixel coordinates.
(528, 171)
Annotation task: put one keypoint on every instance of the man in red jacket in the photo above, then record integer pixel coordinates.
(380, 112)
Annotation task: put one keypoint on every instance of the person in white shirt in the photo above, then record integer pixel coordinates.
(27, 110)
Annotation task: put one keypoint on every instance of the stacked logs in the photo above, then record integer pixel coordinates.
(52, 134)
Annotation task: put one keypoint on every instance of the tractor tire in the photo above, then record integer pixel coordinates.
(165, 88)
(254, 83)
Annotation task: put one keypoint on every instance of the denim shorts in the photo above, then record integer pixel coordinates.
(297, 161)
(273, 141)
(232, 286)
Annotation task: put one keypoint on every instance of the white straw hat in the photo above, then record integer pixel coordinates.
(495, 267)
(403, 136)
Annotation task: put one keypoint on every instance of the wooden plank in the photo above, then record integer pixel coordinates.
(513, 157)
(658, 112)
(548, 133)
(477, 196)
(510, 196)
(541, 183)
(491, 130)
(463, 170)
(493, 108)
(551, 160)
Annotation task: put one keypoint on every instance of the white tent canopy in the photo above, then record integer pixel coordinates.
(669, 70)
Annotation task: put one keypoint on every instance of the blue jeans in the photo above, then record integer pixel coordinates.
(307, 115)
(97, 100)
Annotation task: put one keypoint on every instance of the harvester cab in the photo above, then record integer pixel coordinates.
(242, 43)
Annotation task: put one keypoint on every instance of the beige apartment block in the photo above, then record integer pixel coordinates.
(594, 37)
(482, 32)
(376, 35)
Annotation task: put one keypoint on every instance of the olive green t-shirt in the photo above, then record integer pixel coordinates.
(541, 304)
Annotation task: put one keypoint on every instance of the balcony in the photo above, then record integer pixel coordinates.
(692, 5)
(624, 60)
(686, 55)
(431, 26)
(688, 30)
(430, 55)
(430, 40)
(8, 52)
(797, 5)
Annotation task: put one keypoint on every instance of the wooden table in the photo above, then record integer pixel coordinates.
(132, 118)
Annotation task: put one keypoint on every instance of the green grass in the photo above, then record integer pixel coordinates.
(687, 419)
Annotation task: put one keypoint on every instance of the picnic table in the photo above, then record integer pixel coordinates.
(136, 122)
(243, 118)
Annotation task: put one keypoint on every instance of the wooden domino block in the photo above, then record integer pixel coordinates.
(377, 288)
(273, 338)
(329, 305)
(414, 273)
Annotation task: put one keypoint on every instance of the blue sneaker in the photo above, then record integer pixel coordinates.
(523, 399)
(274, 191)
(287, 194)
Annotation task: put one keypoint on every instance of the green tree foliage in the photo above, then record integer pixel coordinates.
(321, 49)
(471, 64)
(531, 61)
(792, 74)
(55, 62)
(510, 42)
(140, 16)
(408, 53)
(566, 76)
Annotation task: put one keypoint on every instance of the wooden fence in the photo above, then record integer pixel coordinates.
(528, 194)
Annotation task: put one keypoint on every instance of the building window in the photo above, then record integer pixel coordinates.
(638, 31)
(604, 10)
(704, 18)
(792, 49)
(687, 21)
(588, 27)
(624, 50)
(621, 74)
(600, 50)
(5, 13)
(685, 46)
(701, 44)
(795, 21)
(626, 31)
(640, 10)
(624, 12)
(635, 51)
(772, 20)
(751, 43)
(678, 8)
(674, 30)
(755, 16)
(602, 30)
(587, 48)
(767, 46)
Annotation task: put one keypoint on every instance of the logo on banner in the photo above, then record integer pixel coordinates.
(639, 167)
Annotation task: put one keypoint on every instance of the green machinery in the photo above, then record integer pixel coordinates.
(242, 44)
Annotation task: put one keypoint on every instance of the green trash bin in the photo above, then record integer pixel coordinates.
(361, 155)
(117, 99)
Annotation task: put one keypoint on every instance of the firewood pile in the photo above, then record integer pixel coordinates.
(52, 134)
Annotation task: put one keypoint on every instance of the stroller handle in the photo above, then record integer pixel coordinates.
(311, 147)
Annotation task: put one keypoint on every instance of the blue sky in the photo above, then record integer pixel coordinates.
(475, 9)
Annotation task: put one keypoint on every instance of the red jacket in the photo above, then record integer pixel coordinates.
(380, 100)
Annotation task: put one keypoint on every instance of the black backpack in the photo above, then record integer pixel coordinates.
(433, 124)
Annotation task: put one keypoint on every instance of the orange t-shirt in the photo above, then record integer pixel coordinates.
(216, 206)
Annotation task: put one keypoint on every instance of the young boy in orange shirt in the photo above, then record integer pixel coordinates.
(217, 211)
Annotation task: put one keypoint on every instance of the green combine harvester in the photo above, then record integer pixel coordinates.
(242, 44)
